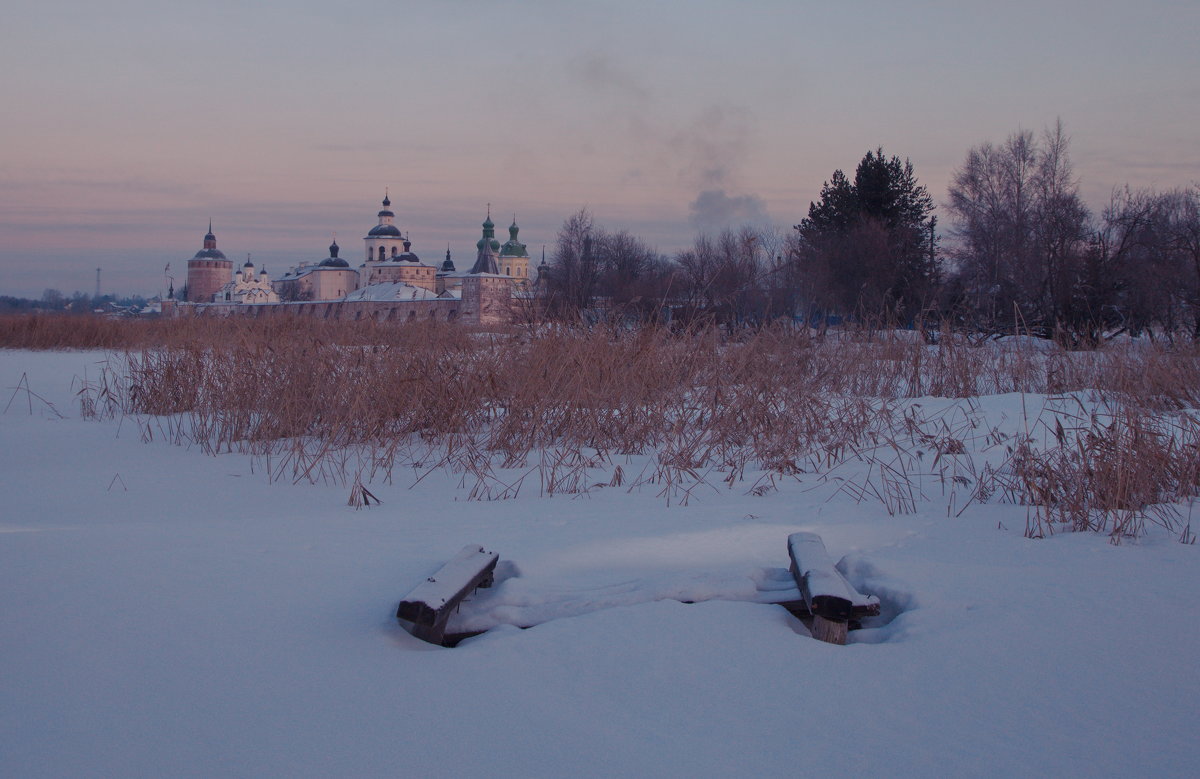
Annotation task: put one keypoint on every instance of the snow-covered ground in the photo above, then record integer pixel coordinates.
(168, 613)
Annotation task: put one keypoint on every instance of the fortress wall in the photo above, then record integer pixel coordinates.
(446, 310)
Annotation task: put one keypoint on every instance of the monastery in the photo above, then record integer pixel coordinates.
(391, 284)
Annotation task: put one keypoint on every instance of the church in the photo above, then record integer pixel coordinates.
(390, 273)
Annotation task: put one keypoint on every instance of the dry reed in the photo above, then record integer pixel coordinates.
(354, 402)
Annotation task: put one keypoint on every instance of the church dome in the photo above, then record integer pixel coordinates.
(385, 228)
(513, 247)
(489, 234)
(333, 261)
(210, 250)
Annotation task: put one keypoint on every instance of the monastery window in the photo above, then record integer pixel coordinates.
(393, 251)
(382, 256)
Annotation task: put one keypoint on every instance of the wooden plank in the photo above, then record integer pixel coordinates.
(830, 599)
(428, 606)
(780, 588)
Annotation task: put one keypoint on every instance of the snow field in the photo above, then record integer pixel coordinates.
(189, 618)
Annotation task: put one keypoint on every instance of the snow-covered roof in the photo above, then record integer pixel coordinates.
(391, 290)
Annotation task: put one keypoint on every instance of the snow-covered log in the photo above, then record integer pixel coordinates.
(425, 610)
(831, 600)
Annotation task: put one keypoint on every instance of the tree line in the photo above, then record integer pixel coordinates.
(76, 303)
(1022, 253)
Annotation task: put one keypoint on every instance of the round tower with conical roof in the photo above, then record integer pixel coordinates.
(208, 271)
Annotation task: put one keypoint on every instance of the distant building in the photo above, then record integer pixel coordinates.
(248, 287)
(208, 272)
(390, 258)
(330, 279)
(488, 259)
(448, 278)
(514, 256)
(392, 284)
(384, 241)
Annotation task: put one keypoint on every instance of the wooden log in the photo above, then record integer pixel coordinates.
(831, 600)
(427, 608)
(829, 631)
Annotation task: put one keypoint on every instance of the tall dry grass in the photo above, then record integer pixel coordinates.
(561, 410)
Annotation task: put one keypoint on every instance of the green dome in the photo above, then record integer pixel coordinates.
(513, 247)
(489, 234)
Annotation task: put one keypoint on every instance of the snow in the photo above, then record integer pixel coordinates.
(821, 579)
(164, 612)
(391, 290)
(469, 565)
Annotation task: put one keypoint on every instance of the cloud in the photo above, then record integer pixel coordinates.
(709, 150)
(713, 211)
(600, 73)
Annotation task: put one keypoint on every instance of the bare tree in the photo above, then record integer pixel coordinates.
(573, 273)
(738, 278)
(1133, 251)
(605, 274)
(1021, 227)
(1184, 226)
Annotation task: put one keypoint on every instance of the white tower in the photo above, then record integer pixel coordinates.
(384, 241)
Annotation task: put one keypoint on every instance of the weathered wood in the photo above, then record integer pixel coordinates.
(829, 631)
(427, 608)
(830, 599)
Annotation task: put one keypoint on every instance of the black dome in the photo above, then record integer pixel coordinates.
(386, 213)
(209, 254)
(387, 230)
(334, 262)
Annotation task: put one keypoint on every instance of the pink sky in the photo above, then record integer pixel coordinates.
(128, 125)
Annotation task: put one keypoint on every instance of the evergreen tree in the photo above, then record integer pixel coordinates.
(869, 243)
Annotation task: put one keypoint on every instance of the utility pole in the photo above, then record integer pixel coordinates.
(97, 295)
